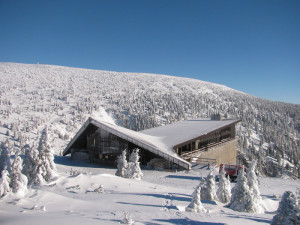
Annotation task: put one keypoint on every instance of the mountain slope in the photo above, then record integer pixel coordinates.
(32, 96)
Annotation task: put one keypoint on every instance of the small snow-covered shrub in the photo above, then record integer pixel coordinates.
(127, 219)
(74, 172)
(196, 205)
(100, 189)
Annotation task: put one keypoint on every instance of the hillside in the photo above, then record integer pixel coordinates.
(32, 96)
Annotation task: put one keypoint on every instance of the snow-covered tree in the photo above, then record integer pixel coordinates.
(37, 178)
(4, 183)
(32, 166)
(134, 170)
(46, 156)
(254, 189)
(5, 158)
(18, 181)
(241, 199)
(208, 188)
(224, 188)
(122, 164)
(28, 162)
(287, 212)
(196, 205)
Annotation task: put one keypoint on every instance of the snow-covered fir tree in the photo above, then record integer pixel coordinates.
(134, 170)
(254, 189)
(5, 163)
(224, 188)
(28, 163)
(37, 178)
(196, 205)
(46, 156)
(4, 183)
(287, 212)
(122, 164)
(208, 188)
(241, 199)
(32, 166)
(18, 181)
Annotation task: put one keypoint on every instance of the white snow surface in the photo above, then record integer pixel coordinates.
(159, 198)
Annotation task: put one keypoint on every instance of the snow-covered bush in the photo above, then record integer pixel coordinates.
(287, 212)
(18, 181)
(46, 156)
(127, 219)
(4, 183)
(5, 157)
(100, 189)
(224, 188)
(196, 205)
(254, 190)
(241, 199)
(74, 172)
(133, 170)
(122, 164)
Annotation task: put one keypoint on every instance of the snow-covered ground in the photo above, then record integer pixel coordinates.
(159, 198)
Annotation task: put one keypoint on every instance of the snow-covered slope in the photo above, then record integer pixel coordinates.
(32, 96)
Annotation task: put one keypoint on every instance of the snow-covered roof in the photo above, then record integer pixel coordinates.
(159, 140)
(180, 132)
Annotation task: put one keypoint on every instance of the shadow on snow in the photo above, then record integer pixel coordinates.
(183, 221)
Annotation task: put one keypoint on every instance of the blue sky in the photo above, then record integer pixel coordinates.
(252, 46)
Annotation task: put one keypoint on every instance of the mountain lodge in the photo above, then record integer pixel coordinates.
(178, 145)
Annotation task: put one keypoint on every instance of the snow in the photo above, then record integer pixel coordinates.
(159, 198)
(177, 133)
(37, 95)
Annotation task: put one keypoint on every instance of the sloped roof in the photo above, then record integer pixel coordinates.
(174, 134)
(159, 140)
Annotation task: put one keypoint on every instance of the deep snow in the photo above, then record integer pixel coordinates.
(159, 198)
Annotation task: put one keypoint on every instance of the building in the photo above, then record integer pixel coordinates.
(177, 145)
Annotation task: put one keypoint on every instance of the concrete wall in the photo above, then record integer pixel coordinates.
(225, 153)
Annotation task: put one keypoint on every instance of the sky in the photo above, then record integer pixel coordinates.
(251, 46)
